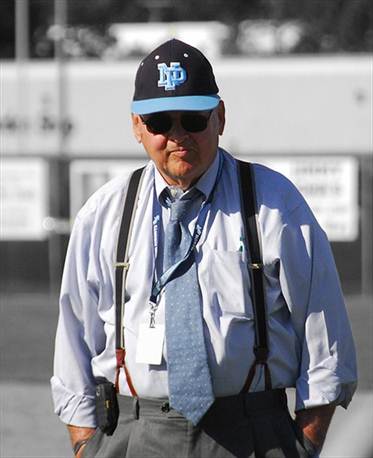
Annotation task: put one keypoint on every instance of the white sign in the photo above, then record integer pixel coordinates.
(329, 185)
(297, 105)
(24, 185)
(86, 176)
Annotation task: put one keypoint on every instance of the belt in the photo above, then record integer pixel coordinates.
(228, 407)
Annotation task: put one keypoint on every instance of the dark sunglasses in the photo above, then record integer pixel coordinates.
(161, 123)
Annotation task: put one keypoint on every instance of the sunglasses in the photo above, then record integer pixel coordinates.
(161, 123)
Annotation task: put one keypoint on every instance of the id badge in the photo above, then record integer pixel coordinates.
(150, 344)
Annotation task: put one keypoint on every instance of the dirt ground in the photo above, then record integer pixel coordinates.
(29, 428)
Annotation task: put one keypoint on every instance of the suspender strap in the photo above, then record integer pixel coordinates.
(255, 267)
(121, 269)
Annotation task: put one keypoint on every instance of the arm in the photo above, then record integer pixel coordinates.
(310, 285)
(78, 434)
(315, 422)
(79, 334)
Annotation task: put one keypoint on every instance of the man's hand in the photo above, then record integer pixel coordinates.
(78, 433)
(315, 422)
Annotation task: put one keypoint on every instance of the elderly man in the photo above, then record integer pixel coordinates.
(216, 307)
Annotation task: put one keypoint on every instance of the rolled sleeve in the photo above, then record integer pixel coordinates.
(313, 293)
(72, 408)
(80, 332)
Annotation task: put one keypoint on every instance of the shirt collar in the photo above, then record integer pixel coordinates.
(204, 184)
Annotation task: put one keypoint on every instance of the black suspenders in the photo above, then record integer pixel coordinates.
(249, 213)
(121, 269)
(255, 267)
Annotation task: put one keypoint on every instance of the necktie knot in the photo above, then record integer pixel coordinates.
(180, 203)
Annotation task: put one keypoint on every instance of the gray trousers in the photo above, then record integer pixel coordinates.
(247, 425)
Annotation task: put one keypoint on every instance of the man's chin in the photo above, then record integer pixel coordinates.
(183, 176)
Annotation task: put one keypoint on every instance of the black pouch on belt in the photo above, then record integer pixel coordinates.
(107, 410)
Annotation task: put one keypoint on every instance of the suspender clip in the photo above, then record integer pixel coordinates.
(256, 265)
(124, 265)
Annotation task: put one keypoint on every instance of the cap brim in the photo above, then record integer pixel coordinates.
(178, 103)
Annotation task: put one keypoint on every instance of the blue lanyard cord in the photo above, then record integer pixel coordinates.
(172, 271)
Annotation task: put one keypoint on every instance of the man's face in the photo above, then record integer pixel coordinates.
(182, 156)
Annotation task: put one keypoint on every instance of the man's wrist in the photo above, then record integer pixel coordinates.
(78, 445)
(314, 423)
(79, 436)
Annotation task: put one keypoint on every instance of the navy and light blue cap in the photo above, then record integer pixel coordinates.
(174, 77)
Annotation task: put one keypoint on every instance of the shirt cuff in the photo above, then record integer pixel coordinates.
(73, 409)
(329, 390)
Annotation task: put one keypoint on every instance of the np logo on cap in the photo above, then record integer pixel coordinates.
(175, 77)
(172, 76)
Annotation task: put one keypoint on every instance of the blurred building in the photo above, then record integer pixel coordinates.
(65, 125)
(139, 39)
(65, 130)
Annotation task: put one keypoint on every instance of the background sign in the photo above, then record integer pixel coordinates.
(87, 176)
(24, 188)
(297, 105)
(329, 184)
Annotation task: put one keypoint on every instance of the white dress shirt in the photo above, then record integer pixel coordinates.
(310, 341)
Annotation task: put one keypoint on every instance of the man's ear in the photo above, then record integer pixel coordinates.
(136, 127)
(221, 117)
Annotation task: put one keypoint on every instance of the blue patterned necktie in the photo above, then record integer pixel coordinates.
(189, 380)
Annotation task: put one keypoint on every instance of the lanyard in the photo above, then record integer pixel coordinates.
(171, 272)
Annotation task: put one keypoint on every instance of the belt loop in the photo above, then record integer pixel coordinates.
(242, 403)
(245, 402)
(136, 409)
(283, 398)
(165, 407)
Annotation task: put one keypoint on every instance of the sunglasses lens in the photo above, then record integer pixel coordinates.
(159, 123)
(194, 122)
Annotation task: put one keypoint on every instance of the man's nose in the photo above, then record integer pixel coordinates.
(177, 132)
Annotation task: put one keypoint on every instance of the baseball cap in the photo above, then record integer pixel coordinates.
(174, 77)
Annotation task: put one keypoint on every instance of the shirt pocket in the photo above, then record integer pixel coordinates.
(228, 283)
